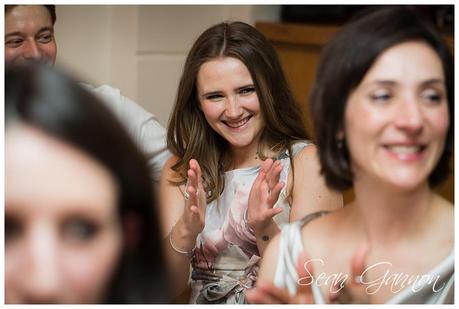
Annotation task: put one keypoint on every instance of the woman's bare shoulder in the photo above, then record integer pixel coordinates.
(323, 232)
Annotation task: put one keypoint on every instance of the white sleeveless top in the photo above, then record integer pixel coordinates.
(291, 245)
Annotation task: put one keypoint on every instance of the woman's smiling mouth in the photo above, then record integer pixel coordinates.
(406, 152)
(237, 124)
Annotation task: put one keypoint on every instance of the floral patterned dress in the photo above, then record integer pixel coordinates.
(225, 261)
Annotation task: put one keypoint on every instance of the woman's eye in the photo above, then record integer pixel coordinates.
(432, 96)
(13, 229)
(214, 97)
(248, 90)
(81, 230)
(380, 97)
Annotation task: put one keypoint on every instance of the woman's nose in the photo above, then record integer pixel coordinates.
(233, 108)
(410, 116)
(42, 282)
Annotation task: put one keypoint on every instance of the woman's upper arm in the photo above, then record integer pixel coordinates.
(309, 191)
(171, 199)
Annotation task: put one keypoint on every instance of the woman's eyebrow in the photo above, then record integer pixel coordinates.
(206, 94)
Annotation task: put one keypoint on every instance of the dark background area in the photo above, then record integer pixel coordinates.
(442, 16)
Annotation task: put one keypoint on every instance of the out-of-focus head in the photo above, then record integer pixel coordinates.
(384, 95)
(29, 33)
(62, 231)
(396, 119)
(246, 49)
(80, 223)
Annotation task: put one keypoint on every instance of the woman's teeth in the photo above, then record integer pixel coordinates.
(237, 124)
(405, 149)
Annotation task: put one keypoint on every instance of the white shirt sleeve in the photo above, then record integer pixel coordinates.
(143, 126)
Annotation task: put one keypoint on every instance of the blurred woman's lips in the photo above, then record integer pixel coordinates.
(405, 151)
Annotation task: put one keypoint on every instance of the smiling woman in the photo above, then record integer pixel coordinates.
(397, 118)
(242, 168)
(233, 111)
(383, 108)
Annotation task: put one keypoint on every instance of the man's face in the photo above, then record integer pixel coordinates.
(29, 35)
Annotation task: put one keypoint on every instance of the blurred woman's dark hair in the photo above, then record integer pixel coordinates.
(343, 64)
(45, 99)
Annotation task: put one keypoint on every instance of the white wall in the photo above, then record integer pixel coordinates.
(140, 49)
(83, 35)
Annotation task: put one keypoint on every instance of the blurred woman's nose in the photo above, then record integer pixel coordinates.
(410, 115)
(41, 284)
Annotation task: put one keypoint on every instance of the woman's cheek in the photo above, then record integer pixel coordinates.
(88, 271)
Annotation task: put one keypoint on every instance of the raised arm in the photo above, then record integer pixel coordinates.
(182, 219)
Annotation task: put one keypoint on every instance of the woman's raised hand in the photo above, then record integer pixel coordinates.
(351, 291)
(264, 194)
(194, 212)
(268, 293)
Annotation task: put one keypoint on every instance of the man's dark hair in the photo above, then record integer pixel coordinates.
(50, 7)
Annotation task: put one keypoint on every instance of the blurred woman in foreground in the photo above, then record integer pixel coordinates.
(80, 223)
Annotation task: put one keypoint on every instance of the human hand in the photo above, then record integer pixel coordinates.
(353, 291)
(264, 194)
(194, 212)
(267, 293)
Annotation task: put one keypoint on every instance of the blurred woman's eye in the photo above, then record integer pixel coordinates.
(381, 96)
(13, 229)
(432, 96)
(247, 90)
(80, 229)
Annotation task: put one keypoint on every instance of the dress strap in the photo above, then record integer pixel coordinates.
(309, 217)
(295, 149)
(290, 247)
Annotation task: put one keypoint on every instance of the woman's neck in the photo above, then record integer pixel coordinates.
(392, 216)
(244, 157)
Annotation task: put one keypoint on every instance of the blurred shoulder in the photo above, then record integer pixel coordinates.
(324, 231)
(307, 154)
(444, 211)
